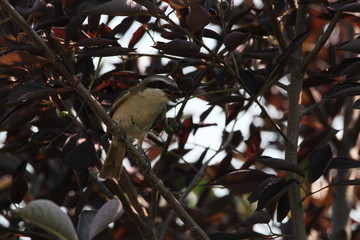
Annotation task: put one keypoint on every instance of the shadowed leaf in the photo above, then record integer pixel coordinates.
(19, 188)
(283, 208)
(241, 181)
(85, 219)
(235, 236)
(48, 216)
(280, 164)
(346, 89)
(105, 51)
(78, 153)
(107, 214)
(319, 161)
(257, 217)
(19, 58)
(343, 163)
(352, 45)
(198, 18)
(118, 8)
(234, 39)
(273, 193)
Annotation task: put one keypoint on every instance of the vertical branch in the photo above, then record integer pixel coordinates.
(294, 117)
(343, 195)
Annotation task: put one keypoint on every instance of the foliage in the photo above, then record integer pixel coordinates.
(233, 56)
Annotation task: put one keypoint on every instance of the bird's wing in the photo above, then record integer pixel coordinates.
(118, 101)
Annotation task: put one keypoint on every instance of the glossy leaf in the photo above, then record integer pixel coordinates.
(48, 216)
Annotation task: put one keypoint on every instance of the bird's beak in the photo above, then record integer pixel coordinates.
(173, 93)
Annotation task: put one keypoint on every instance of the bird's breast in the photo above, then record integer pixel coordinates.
(139, 112)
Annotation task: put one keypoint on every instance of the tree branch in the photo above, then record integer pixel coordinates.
(294, 118)
(141, 160)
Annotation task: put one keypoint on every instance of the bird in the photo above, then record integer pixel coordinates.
(136, 111)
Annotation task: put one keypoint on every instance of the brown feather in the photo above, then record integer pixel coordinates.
(114, 161)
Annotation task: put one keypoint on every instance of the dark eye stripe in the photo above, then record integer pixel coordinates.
(160, 85)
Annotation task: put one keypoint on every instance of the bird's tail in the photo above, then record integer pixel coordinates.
(112, 166)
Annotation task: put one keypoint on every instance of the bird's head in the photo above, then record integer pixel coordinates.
(163, 83)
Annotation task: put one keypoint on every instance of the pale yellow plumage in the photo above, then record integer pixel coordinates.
(136, 112)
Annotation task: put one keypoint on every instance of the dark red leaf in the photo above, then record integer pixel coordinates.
(280, 164)
(232, 140)
(226, 99)
(313, 141)
(105, 51)
(204, 115)
(258, 216)
(346, 89)
(118, 8)
(283, 208)
(251, 82)
(19, 58)
(18, 189)
(198, 18)
(343, 163)
(97, 41)
(235, 236)
(185, 129)
(137, 35)
(20, 170)
(319, 161)
(233, 111)
(260, 189)
(273, 193)
(352, 45)
(253, 142)
(241, 181)
(19, 117)
(234, 39)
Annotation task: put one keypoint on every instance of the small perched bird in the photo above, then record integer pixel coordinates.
(136, 111)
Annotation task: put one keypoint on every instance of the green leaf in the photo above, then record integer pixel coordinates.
(48, 216)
